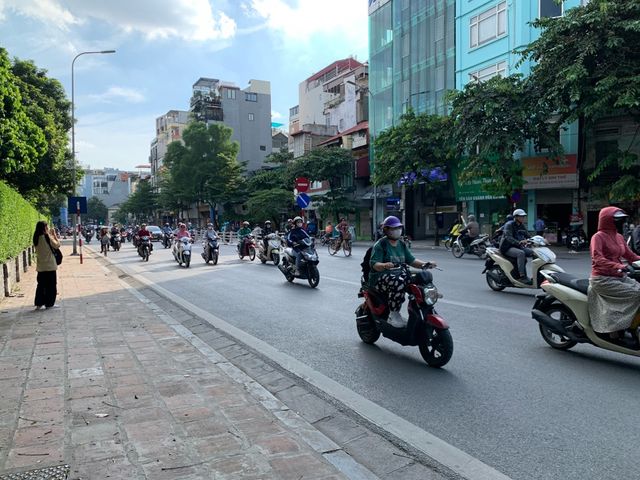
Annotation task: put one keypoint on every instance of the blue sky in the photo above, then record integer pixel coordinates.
(163, 47)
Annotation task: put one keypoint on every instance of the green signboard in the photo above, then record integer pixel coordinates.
(471, 190)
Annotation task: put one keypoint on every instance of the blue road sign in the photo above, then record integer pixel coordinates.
(303, 200)
(73, 205)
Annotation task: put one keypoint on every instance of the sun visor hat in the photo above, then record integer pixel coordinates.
(620, 214)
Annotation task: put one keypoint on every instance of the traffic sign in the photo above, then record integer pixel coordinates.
(303, 200)
(302, 184)
(72, 204)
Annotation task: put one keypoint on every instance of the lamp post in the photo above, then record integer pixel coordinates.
(73, 138)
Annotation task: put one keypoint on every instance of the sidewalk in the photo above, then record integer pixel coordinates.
(108, 386)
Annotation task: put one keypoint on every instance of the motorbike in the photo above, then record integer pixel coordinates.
(116, 241)
(182, 251)
(425, 328)
(273, 251)
(308, 263)
(129, 235)
(167, 239)
(88, 236)
(477, 247)
(144, 248)
(576, 239)
(213, 252)
(562, 313)
(247, 247)
(501, 270)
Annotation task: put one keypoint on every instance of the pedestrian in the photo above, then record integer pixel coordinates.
(44, 241)
(539, 226)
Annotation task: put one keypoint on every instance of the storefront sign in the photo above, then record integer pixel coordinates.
(471, 190)
(542, 172)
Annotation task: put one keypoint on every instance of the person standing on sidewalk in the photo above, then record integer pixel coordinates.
(44, 240)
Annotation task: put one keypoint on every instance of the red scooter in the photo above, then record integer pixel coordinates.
(425, 328)
(247, 248)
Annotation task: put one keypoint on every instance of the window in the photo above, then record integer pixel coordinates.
(251, 117)
(263, 148)
(486, 73)
(489, 25)
(250, 97)
(293, 111)
(549, 8)
(231, 94)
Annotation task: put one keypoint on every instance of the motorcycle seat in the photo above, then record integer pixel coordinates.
(568, 280)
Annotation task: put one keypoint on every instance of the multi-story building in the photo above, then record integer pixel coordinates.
(411, 65)
(169, 128)
(110, 185)
(247, 112)
(487, 34)
(279, 141)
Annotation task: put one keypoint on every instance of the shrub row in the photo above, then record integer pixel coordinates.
(17, 221)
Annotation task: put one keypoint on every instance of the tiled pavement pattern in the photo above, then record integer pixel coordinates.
(113, 385)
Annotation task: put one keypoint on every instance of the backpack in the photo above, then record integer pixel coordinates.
(366, 261)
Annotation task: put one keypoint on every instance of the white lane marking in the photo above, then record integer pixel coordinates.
(508, 311)
(451, 457)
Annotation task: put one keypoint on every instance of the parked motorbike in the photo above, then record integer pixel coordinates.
(477, 247)
(144, 248)
(247, 248)
(211, 253)
(501, 270)
(308, 263)
(576, 239)
(425, 328)
(273, 249)
(116, 241)
(182, 251)
(167, 239)
(562, 313)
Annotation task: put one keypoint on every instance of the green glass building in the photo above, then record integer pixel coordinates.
(411, 64)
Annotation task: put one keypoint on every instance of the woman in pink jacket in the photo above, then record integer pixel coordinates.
(614, 298)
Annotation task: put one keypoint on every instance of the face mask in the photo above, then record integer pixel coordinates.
(394, 233)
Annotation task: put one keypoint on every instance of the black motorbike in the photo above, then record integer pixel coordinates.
(211, 250)
(144, 248)
(88, 235)
(576, 239)
(116, 241)
(308, 263)
(167, 239)
(425, 328)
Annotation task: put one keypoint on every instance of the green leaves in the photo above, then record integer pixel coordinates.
(97, 210)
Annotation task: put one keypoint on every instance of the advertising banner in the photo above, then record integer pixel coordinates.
(542, 172)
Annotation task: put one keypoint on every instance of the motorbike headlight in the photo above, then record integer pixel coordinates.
(431, 295)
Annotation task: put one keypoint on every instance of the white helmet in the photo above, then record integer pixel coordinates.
(518, 212)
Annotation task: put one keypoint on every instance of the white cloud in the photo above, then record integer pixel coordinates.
(276, 115)
(338, 21)
(193, 20)
(119, 93)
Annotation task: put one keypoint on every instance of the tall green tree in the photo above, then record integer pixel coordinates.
(333, 165)
(141, 204)
(494, 120)
(270, 204)
(418, 150)
(97, 211)
(45, 102)
(205, 168)
(22, 142)
(587, 66)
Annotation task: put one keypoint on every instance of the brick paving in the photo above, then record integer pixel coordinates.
(105, 385)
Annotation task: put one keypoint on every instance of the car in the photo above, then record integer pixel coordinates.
(156, 233)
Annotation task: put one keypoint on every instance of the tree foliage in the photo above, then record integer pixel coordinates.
(97, 210)
(269, 204)
(418, 148)
(205, 168)
(141, 204)
(492, 121)
(587, 66)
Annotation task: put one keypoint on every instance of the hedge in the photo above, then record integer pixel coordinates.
(18, 220)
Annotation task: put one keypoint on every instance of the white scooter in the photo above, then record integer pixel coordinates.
(182, 251)
(500, 269)
(273, 250)
(563, 314)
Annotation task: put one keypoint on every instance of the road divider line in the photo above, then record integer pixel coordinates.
(442, 452)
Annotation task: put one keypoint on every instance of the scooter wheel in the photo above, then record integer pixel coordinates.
(252, 254)
(457, 251)
(367, 329)
(314, 276)
(215, 258)
(493, 285)
(562, 314)
(276, 258)
(437, 350)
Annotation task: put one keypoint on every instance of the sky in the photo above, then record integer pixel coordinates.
(163, 47)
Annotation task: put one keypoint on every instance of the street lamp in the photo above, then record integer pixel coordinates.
(73, 137)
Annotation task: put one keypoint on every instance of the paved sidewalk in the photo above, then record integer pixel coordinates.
(105, 384)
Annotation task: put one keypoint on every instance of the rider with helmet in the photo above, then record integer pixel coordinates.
(266, 230)
(387, 252)
(243, 233)
(514, 237)
(182, 232)
(143, 232)
(209, 234)
(294, 237)
(614, 298)
(470, 232)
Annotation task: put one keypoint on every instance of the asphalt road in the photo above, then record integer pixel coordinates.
(506, 397)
